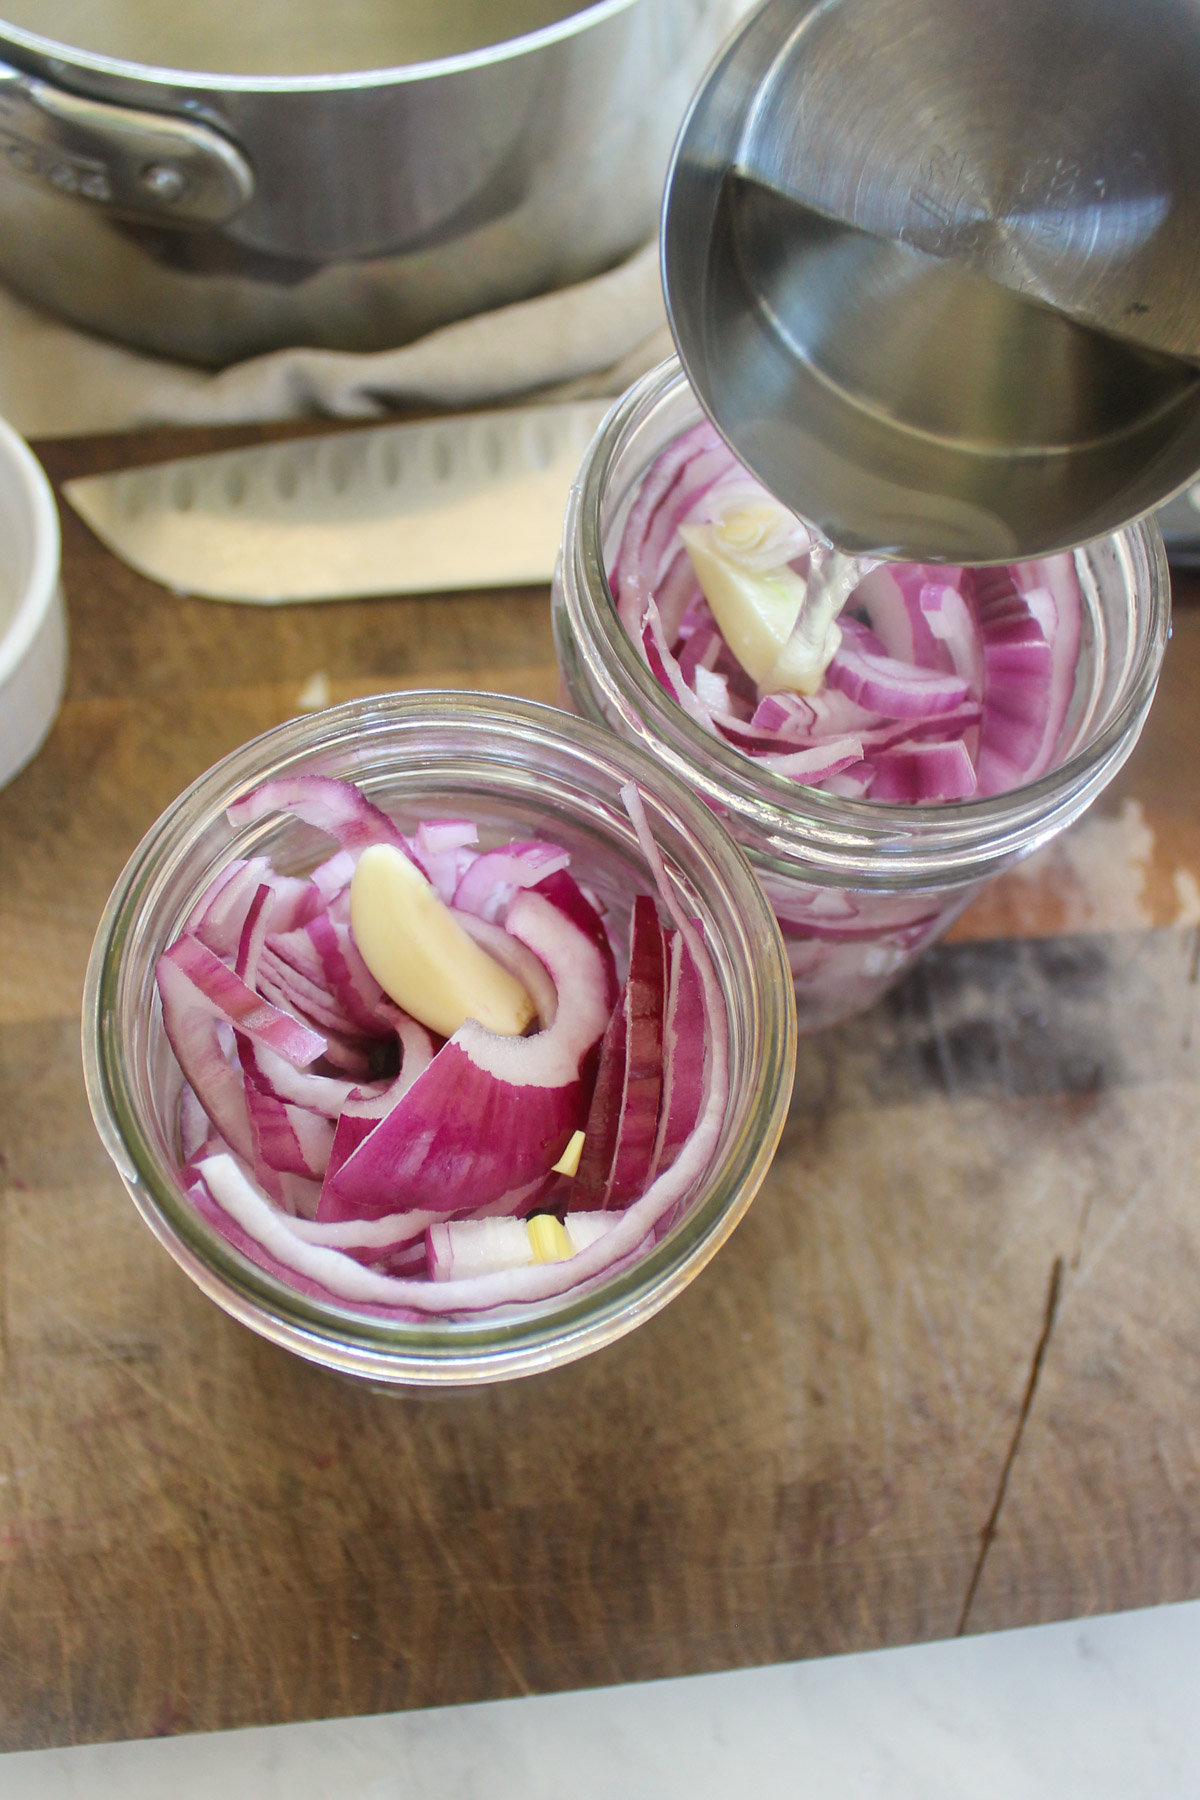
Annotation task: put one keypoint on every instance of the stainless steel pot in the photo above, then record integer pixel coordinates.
(213, 216)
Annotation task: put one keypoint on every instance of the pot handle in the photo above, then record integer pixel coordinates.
(146, 165)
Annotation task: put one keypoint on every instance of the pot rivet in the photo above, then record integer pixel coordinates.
(163, 181)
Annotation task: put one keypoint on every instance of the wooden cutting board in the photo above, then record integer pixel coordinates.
(946, 1376)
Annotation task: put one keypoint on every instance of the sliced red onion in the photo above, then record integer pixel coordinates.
(191, 968)
(701, 647)
(564, 893)
(193, 1031)
(666, 670)
(335, 873)
(324, 1094)
(1018, 666)
(295, 990)
(817, 764)
(519, 1202)
(776, 713)
(1050, 588)
(679, 480)
(471, 1247)
(952, 623)
(365, 1107)
(642, 1002)
(266, 1235)
(489, 1112)
(477, 1247)
(194, 1124)
(604, 1116)
(711, 689)
(884, 686)
(218, 917)
(490, 882)
(928, 655)
(442, 849)
(469, 1128)
(346, 975)
(520, 962)
(351, 1058)
(334, 807)
(288, 1139)
(919, 773)
(584, 1229)
(253, 936)
(367, 1239)
(340, 1276)
(683, 1057)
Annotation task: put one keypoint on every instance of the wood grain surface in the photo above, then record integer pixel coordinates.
(945, 1377)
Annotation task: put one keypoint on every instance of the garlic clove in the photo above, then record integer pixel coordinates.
(756, 613)
(421, 956)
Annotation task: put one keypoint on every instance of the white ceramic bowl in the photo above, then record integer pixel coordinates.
(33, 619)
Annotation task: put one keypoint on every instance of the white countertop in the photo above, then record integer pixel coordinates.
(1097, 1708)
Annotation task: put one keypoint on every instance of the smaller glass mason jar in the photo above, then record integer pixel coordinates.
(519, 771)
(860, 888)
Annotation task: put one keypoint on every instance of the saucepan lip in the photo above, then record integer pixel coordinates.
(64, 57)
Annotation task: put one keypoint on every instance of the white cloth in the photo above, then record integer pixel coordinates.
(595, 338)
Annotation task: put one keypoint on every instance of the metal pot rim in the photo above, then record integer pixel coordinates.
(52, 50)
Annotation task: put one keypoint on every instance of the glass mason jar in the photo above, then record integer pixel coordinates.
(860, 888)
(518, 770)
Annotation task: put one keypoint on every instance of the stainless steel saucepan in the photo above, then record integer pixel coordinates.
(933, 266)
(213, 181)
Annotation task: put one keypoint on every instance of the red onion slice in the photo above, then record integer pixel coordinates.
(489, 1112)
(564, 893)
(288, 1139)
(1017, 696)
(334, 807)
(441, 847)
(920, 773)
(642, 1003)
(519, 962)
(464, 1248)
(604, 1116)
(679, 479)
(195, 1126)
(191, 970)
(296, 991)
(666, 670)
(219, 915)
(365, 1107)
(324, 1094)
(253, 936)
(683, 1057)
(335, 873)
(817, 764)
(345, 974)
(493, 878)
(884, 686)
(193, 1032)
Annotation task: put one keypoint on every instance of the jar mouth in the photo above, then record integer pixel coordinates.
(156, 891)
(859, 843)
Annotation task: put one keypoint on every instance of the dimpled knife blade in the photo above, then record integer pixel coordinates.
(471, 501)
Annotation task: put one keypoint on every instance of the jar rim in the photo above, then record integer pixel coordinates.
(849, 842)
(461, 1351)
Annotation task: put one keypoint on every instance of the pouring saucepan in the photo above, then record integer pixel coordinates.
(933, 267)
